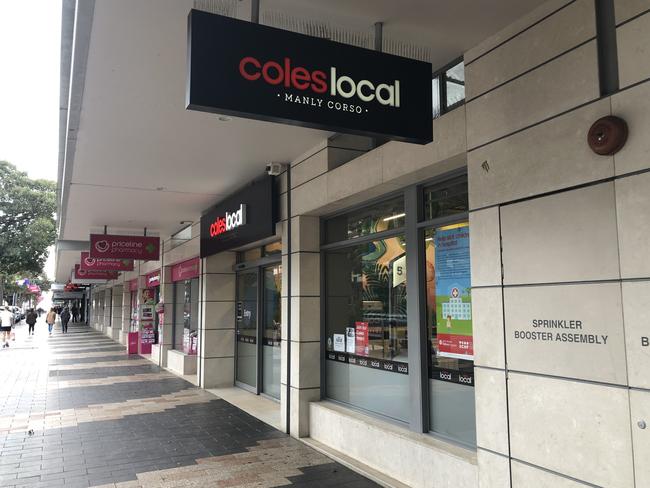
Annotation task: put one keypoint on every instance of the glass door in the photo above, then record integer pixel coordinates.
(246, 329)
(271, 329)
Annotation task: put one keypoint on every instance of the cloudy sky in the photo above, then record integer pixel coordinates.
(30, 33)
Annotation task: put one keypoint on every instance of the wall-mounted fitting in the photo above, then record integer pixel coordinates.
(607, 135)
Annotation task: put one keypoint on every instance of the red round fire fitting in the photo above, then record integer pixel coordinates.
(607, 135)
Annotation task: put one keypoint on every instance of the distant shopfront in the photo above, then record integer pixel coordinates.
(185, 332)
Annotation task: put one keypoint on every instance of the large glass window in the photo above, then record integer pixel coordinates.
(449, 332)
(366, 315)
(367, 343)
(186, 315)
(370, 220)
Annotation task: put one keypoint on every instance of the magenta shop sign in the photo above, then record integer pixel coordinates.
(82, 274)
(186, 270)
(144, 248)
(104, 264)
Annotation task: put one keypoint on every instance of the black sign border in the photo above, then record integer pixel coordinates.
(299, 123)
(261, 227)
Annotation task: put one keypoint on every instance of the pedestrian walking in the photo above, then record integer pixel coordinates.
(6, 321)
(65, 318)
(75, 313)
(50, 319)
(31, 319)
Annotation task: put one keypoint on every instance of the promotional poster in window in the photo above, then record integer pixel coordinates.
(453, 293)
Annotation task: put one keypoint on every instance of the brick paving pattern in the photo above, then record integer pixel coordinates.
(76, 411)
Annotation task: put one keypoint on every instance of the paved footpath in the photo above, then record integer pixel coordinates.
(76, 411)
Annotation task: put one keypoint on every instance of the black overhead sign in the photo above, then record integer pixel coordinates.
(247, 216)
(249, 70)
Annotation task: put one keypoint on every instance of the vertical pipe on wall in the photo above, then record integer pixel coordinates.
(255, 11)
(287, 273)
(607, 50)
(416, 313)
(379, 36)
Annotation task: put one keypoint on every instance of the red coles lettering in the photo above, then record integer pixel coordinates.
(284, 74)
(218, 227)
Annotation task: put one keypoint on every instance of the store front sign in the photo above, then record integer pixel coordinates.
(93, 274)
(186, 270)
(104, 264)
(145, 248)
(246, 216)
(280, 76)
(228, 222)
(152, 279)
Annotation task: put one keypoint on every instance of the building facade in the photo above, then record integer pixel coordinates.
(470, 312)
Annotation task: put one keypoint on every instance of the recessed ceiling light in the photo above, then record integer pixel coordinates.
(223, 118)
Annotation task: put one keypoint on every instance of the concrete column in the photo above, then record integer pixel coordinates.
(108, 312)
(304, 341)
(126, 313)
(159, 351)
(99, 324)
(116, 311)
(216, 352)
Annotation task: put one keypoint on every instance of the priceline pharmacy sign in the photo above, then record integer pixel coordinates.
(260, 72)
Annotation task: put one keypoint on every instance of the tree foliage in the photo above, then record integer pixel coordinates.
(27, 221)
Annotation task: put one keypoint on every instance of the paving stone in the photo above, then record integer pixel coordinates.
(101, 418)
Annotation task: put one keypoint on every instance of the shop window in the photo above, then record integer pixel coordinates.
(382, 217)
(445, 200)
(186, 315)
(273, 249)
(448, 88)
(449, 311)
(367, 343)
(250, 255)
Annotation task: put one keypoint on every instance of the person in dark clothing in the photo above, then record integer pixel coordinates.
(75, 313)
(65, 318)
(31, 318)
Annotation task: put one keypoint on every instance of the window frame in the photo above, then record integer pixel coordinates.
(413, 231)
(442, 86)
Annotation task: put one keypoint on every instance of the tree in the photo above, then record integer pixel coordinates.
(27, 222)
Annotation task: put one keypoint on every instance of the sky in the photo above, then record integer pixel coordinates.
(30, 33)
(30, 37)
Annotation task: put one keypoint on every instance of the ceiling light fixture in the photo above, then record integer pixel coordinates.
(393, 217)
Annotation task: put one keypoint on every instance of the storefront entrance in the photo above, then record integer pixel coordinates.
(258, 323)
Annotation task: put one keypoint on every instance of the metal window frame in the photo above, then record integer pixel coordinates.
(413, 232)
(442, 86)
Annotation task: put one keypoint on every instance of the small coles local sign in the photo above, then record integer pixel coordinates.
(281, 76)
(246, 216)
(144, 248)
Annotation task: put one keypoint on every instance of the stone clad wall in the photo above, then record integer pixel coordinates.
(556, 238)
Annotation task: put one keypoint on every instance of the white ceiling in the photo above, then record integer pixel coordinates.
(142, 160)
(448, 28)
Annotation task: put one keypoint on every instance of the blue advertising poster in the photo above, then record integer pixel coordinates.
(453, 292)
